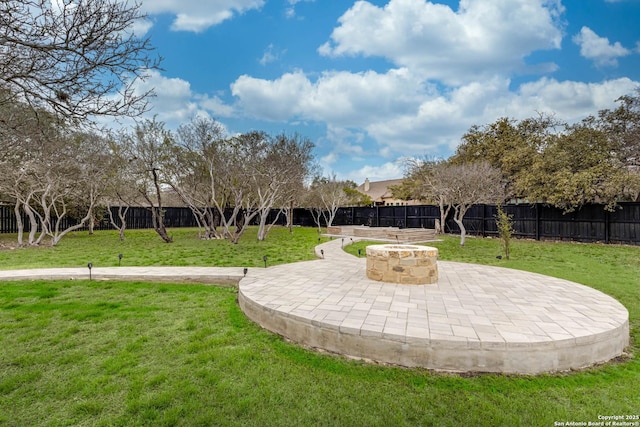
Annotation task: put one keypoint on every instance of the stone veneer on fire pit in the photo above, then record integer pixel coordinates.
(403, 264)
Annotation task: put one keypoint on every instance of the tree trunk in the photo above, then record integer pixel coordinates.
(122, 212)
(33, 223)
(209, 221)
(19, 223)
(264, 228)
(463, 231)
(458, 215)
(58, 236)
(290, 218)
(156, 212)
(329, 216)
(242, 222)
(123, 227)
(210, 225)
(444, 213)
(332, 216)
(92, 222)
(316, 213)
(443, 217)
(158, 225)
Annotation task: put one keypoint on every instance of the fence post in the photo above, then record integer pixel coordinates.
(484, 219)
(377, 216)
(537, 205)
(607, 221)
(405, 217)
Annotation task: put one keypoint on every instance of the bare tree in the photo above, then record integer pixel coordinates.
(454, 187)
(120, 193)
(195, 172)
(285, 165)
(209, 173)
(326, 196)
(15, 160)
(55, 178)
(426, 180)
(294, 195)
(123, 208)
(468, 184)
(37, 165)
(95, 171)
(63, 62)
(72, 180)
(79, 58)
(147, 149)
(245, 156)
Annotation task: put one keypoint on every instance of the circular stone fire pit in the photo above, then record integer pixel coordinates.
(403, 264)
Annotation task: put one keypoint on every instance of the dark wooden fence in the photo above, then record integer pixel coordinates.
(592, 223)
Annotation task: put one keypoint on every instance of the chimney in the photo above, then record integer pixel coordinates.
(367, 185)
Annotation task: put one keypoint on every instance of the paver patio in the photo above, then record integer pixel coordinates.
(475, 318)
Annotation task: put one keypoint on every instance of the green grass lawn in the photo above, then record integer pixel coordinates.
(125, 353)
(144, 247)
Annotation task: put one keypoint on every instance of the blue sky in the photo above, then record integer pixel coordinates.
(374, 82)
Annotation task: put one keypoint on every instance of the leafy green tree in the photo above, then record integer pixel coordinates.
(510, 146)
(543, 160)
(623, 125)
(581, 166)
(406, 190)
(355, 197)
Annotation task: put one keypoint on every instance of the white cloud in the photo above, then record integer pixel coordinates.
(346, 142)
(599, 49)
(342, 98)
(481, 38)
(404, 116)
(215, 105)
(572, 100)
(437, 126)
(271, 99)
(328, 160)
(198, 15)
(174, 102)
(271, 55)
(290, 12)
(141, 27)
